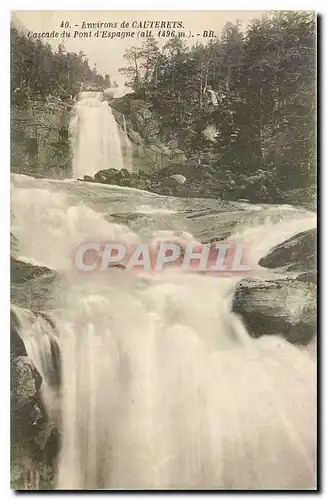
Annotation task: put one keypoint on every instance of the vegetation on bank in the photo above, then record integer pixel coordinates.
(244, 103)
(37, 71)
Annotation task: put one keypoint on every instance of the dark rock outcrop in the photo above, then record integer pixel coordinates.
(298, 253)
(22, 271)
(189, 180)
(40, 143)
(171, 181)
(140, 125)
(26, 382)
(17, 347)
(31, 285)
(87, 178)
(279, 305)
(34, 439)
(283, 304)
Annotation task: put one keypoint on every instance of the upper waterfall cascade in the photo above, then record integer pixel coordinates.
(95, 136)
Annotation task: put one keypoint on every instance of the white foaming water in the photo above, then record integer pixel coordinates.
(95, 136)
(144, 209)
(258, 240)
(41, 343)
(161, 385)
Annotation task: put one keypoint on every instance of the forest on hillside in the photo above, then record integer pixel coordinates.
(44, 83)
(245, 103)
(37, 71)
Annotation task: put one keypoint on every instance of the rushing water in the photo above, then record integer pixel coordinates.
(95, 136)
(160, 386)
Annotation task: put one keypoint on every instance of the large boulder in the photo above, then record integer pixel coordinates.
(21, 271)
(33, 456)
(140, 128)
(106, 176)
(120, 177)
(17, 346)
(126, 172)
(40, 138)
(31, 286)
(278, 305)
(142, 118)
(34, 438)
(171, 182)
(179, 178)
(27, 413)
(26, 382)
(295, 254)
(164, 190)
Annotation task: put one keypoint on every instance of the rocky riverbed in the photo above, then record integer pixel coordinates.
(284, 302)
(203, 181)
(278, 300)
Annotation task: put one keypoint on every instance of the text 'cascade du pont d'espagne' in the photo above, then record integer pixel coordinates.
(120, 30)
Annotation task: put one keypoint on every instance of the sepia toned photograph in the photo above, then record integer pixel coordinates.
(163, 250)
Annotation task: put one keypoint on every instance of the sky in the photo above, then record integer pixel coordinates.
(107, 53)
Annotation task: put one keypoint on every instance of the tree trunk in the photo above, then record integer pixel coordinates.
(137, 75)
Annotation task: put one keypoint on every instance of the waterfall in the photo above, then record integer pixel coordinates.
(95, 136)
(161, 386)
(39, 335)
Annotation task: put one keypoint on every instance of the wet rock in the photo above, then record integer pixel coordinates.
(141, 124)
(295, 254)
(279, 305)
(310, 277)
(28, 380)
(105, 176)
(179, 178)
(22, 271)
(40, 138)
(100, 178)
(17, 347)
(142, 174)
(124, 182)
(31, 431)
(119, 177)
(165, 191)
(27, 414)
(31, 286)
(135, 137)
(188, 179)
(171, 182)
(125, 172)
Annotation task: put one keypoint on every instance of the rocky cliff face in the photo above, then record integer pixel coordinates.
(34, 436)
(285, 301)
(139, 126)
(34, 439)
(40, 143)
(40, 137)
